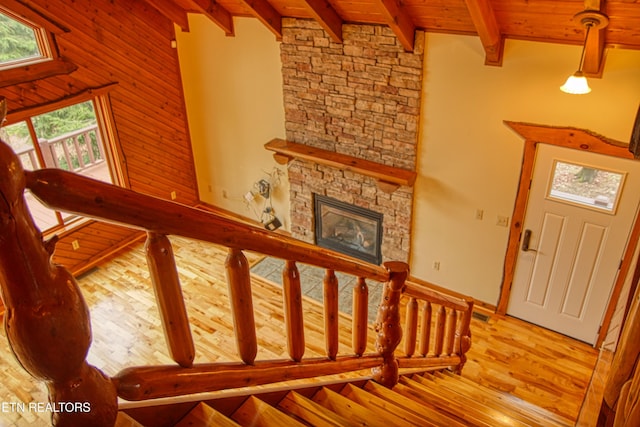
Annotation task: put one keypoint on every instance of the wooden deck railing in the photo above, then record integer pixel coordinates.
(43, 299)
(74, 151)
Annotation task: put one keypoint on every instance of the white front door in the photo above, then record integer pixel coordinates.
(580, 210)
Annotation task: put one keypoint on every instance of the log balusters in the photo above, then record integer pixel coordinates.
(166, 285)
(388, 329)
(425, 328)
(441, 332)
(330, 297)
(239, 284)
(411, 327)
(47, 320)
(294, 323)
(360, 315)
(449, 331)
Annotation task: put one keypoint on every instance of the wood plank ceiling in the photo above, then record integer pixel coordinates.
(492, 20)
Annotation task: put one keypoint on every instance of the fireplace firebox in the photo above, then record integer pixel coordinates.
(349, 229)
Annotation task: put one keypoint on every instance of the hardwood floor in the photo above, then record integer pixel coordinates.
(532, 363)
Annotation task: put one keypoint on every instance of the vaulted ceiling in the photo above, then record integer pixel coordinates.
(493, 21)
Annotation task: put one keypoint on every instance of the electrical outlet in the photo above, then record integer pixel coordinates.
(436, 265)
(173, 195)
(75, 245)
(502, 221)
(479, 214)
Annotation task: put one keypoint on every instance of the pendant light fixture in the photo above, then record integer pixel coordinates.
(577, 83)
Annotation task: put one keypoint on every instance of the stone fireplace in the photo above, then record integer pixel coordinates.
(360, 98)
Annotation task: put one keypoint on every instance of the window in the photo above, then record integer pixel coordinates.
(586, 186)
(21, 43)
(67, 138)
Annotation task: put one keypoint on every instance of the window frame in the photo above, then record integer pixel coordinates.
(106, 129)
(43, 39)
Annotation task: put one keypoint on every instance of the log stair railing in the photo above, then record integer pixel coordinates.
(42, 299)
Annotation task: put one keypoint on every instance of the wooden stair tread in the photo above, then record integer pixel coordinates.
(434, 407)
(355, 413)
(124, 420)
(383, 407)
(451, 406)
(497, 396)
(205, 415)
(422, 409)
(256, 413)
(310, 411)
(473, 397)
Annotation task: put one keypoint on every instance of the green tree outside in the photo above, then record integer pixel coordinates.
(17, 41)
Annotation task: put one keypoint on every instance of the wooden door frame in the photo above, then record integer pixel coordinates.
(576, 139)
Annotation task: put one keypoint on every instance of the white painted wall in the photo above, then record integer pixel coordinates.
(233, 92)
(468, 159)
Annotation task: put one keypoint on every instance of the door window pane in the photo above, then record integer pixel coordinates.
(586, 186)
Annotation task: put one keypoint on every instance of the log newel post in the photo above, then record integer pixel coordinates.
(360, 316)
(463, 336)
(240, 297)
(388, 328)
(168, 292)
(330, 296)
(47, 320)
(293, 318)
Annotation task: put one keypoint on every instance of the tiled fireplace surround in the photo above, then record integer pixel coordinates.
(360, 98)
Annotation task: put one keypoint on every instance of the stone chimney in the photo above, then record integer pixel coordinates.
(361, 97)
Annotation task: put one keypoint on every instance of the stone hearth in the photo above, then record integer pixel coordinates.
(361, 98)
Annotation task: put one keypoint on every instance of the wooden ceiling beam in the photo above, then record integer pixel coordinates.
(267, 14)
(37, 71)
(218, 14)
(484, 20)
(400, 22)
(172, 11)
(327, 17)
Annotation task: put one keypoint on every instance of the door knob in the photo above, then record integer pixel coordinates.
(526, 239)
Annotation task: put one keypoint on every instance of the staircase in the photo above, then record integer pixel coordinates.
(438, 398)
(434, 337)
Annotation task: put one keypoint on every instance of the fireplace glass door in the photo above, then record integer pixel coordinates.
(349, 229)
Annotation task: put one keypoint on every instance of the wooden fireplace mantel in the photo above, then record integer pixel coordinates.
(389, 178)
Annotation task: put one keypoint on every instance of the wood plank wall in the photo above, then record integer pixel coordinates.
(128, 43)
